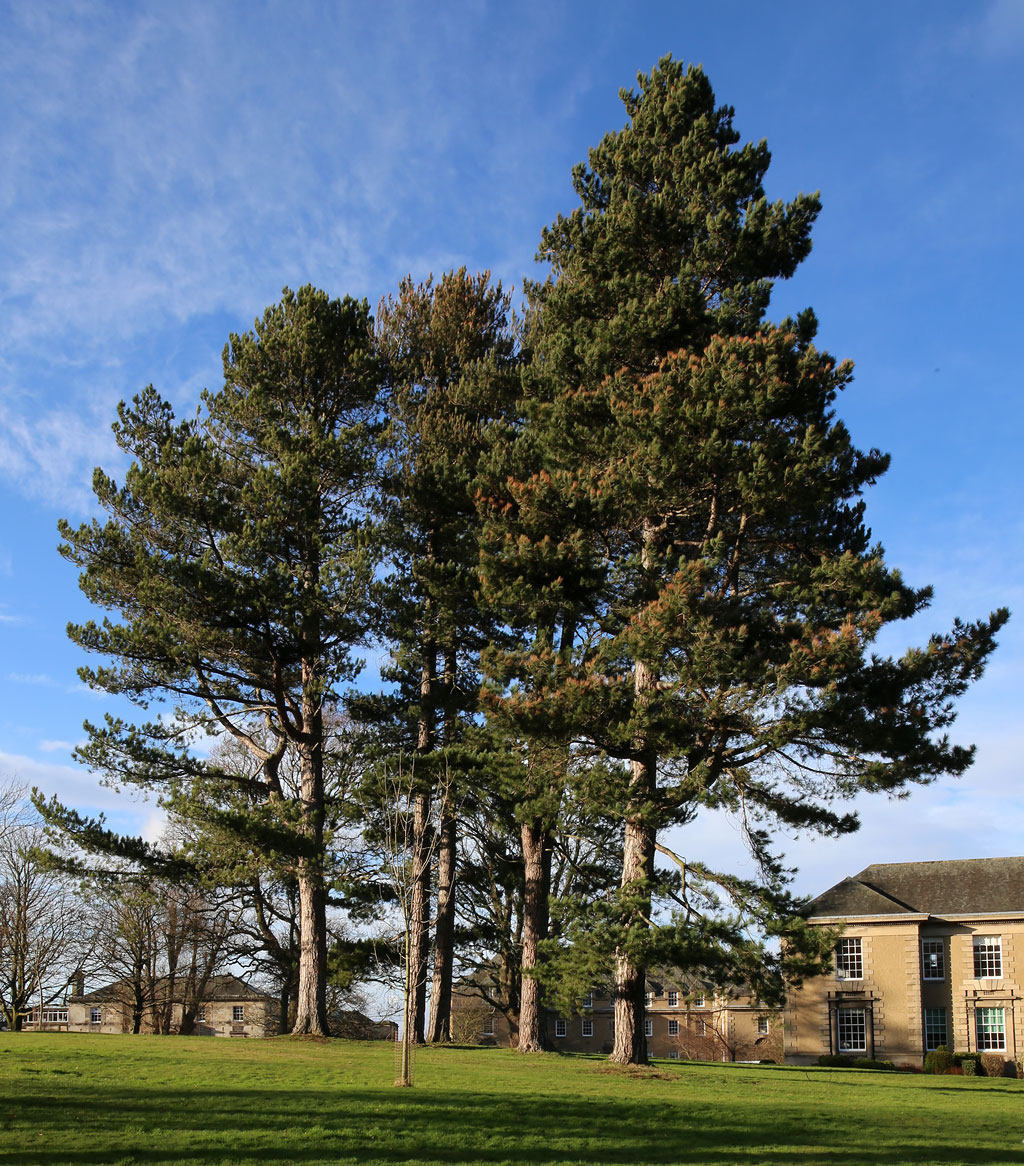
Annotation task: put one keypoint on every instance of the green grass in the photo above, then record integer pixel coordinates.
(120, 1101)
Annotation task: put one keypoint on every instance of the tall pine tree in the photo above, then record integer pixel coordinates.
(693, 518)
(451, 357)
(238, 561)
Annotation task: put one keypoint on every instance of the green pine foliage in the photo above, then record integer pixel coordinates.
(237, 561)
(689, 516)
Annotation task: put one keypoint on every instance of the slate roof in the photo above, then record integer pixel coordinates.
(218, 989)
(963, 886)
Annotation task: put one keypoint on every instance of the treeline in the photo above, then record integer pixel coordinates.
(614, 552)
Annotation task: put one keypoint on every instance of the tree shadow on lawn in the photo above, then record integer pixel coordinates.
(252, 1127)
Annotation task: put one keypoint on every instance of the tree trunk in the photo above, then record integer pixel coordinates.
(630, 1046)
(444, 931)
(419, 915)
(537, 871)
(311, 996)
(419, 907)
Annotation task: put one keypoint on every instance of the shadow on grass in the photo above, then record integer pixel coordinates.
(108, 1125)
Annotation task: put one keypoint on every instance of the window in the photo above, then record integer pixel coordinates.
(588, 1000)
(674, 1055)
(560, 1028)
(698, 1000)
(934, 1028)
(489, 1025)
(648, 1028)
(853, 1030)
(849, 960)
(673, 1028)
(238, 1013)
(991, 1026)
(763, 1025)
(95, 1015)
(701, 1027)
(988, 957)
(55, 1016)
(587, 1028)
(201, 1014)
(673, 999)
(648, 998)
(933, 959)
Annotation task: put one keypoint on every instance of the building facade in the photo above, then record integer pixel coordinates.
(685, 1018)
(928, 954)
(229, 1007)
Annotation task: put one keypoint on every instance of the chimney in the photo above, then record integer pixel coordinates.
(79, 983)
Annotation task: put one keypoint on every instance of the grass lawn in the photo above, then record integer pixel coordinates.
(112, 1101)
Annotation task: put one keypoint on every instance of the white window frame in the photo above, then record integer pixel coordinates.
(489, 1024)
(988, 957)
(936, 1028)
(933, 959)
(673, 999)
(587, 1027)
(763, 1025)
(648, 999)
(587, 1001)
(850, 959)
(852, 1022)
(648, 1028)
(699, 1000)
(561, 1028)
(990, 1027)
(673, 1028)
(54, 1016)
(201, 1014)
(237, 1013)
(95, 1015)
(700, 1026)
(673, 1055)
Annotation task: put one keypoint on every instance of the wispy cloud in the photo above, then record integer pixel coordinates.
(76, 787)
(35, 678)
(156, 174)
(1000, 32)
(56, 746)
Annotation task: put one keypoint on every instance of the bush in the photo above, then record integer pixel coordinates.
(996, 1065)
(972, 1064)
(939, 1060)
(841, 1061)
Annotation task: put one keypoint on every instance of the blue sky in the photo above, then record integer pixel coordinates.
(164, 173)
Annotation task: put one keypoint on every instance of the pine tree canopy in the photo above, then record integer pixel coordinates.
(680, 530)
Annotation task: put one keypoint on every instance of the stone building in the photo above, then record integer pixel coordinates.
(927, 954)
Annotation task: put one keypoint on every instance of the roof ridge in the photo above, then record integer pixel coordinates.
(887, 895)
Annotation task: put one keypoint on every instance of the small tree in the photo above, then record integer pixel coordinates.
(401, 843)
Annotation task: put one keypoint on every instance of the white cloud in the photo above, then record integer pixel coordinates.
(40, 679)
(56, 746)
(76, 787)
